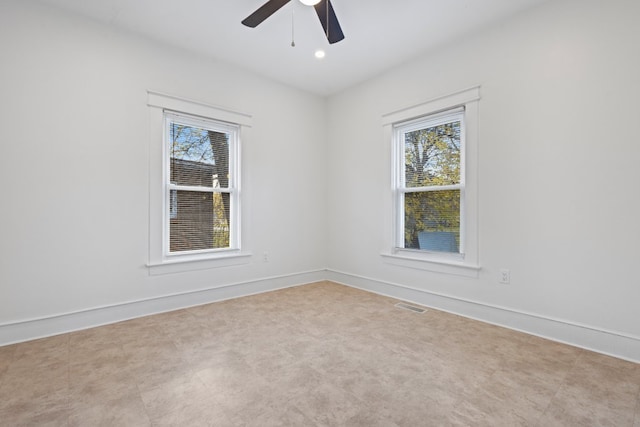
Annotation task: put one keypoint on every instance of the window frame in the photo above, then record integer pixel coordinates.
(400, 130)
(161, 261)
(465, 262)
(233, 189)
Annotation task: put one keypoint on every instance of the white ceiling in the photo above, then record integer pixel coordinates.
(379, 34)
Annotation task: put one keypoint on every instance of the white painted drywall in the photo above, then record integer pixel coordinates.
(557, 185)
(74, 165)
(558, 164)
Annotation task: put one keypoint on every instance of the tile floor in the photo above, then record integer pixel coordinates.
(314, 355)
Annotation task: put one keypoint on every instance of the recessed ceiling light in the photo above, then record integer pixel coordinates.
(319, 54)
(310, 2)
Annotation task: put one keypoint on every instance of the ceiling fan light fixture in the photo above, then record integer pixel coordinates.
(323, 9)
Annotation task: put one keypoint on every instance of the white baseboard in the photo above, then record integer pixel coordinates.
(611, 343)
(591, 338)
(30, 329)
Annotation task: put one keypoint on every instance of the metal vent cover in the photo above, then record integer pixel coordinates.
(410, 307)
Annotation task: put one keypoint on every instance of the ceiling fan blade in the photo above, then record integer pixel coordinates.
(263, 12)
(329, 21)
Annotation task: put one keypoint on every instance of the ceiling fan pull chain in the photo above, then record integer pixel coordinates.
(293, 43)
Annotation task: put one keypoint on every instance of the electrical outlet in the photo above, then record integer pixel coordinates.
(265, 256)
(504, 276)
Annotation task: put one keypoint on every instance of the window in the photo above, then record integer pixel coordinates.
(201, 185)
(433, 208)
(195, 198)
(429, 184)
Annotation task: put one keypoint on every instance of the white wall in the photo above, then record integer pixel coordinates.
(74, 165)
(558, 184)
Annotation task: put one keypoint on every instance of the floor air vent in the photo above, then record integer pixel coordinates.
(410, 307)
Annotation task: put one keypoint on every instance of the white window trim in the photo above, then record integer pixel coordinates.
(233, 190)
(467, 263)
(160, 261)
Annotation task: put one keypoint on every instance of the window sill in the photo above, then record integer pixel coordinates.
(429, 262)
(180, 265)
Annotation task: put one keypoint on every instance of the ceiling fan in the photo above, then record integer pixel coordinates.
(323, 8)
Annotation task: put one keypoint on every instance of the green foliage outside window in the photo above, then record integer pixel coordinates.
(432, 159)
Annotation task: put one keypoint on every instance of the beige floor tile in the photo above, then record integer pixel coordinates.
(35, 408)
(42, 352)
(522, 391)
(136, 331)
(370, 419)
(599, 390)
(611, 381)
(184, 402)
(287, 382)
(263, 407)
(576, 410)
(637, 416)
(90, 389)
(269, 357)
(119, 409)
(231, 377)
(487, 412)
(95, 339)
(156, 375)
(328, 405)
(99, 361)
(23, 383)
(314, 355)
(279, 416)
(6, 358)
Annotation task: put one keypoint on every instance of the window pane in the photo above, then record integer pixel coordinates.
(198, 157)
(200, 221)
(432, 221)
(432, 155)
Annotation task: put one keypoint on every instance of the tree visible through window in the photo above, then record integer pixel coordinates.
(430, 183)
(200, 184)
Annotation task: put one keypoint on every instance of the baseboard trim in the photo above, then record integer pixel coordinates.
(30, 329)
(611, 343)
